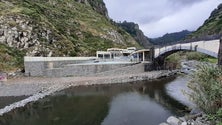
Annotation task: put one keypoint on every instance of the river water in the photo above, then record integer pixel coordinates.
(137, 103)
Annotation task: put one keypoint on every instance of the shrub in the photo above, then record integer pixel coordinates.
(176, 57)
(200, 57)
(206, 86)
(173, 61)
(196, 56)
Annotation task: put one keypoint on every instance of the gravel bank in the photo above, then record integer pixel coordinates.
(37, 88)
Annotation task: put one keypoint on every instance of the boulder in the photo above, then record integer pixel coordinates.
(184, 123)
(173, 121)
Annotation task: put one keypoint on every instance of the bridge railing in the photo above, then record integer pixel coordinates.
(160, 51)
(213, 54)
(201, 38)
(211, 48)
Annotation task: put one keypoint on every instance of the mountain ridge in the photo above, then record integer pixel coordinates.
(171, 37)
(134, 30)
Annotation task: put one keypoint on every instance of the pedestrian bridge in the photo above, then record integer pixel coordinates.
(210, 47)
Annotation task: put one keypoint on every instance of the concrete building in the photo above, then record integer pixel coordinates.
(113, 53)
(76, 66)
(109, 62)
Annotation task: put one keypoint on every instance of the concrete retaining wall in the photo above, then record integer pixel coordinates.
(83, 69)
(56, 67)
(37, 66)
(132, 69)
(63, 67)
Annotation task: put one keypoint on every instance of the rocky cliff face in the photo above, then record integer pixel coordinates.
(97, 5)
(19, 32)
(133, 29)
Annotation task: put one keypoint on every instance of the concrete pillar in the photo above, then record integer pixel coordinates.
(143, 56)
(190, 46)
(137, 55)
(152, 53)
(220, 53)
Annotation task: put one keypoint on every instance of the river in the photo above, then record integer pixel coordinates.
(137, 103)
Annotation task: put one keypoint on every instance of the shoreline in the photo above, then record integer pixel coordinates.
(37, 88)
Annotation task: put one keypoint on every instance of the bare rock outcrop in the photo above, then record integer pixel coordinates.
(20, 32)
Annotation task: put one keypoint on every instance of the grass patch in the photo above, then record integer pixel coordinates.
(11, 58)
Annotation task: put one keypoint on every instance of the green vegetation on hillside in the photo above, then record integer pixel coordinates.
(77, 28)
(171, 38)
(212, 26)
(10, 58)
(136, 33)
(62, 27)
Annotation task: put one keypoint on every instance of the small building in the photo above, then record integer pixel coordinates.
(144, 55)
(116, 53)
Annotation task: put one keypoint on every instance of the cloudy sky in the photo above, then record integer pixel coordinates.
(158, 17)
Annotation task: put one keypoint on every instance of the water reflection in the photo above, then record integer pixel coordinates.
(4, 101)
(138, 103)
(135, 109)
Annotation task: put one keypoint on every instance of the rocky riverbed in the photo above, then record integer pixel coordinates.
(191, 119)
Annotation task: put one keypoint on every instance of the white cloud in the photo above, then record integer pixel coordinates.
(158, 17)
